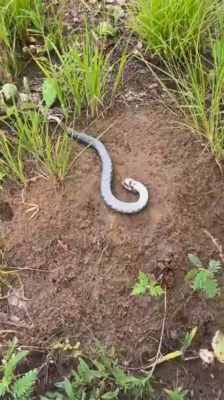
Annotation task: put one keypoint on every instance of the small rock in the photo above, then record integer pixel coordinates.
(206, 356)
(31, 40)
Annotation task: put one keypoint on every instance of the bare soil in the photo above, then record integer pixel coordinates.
(79, 260)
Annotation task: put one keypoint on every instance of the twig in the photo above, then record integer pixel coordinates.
(101, 255)
(191, 358)
(49, 339)
(25, 269)
(219, 395)
(161, 336)
(216, 244)
(7, 331)
(4, 297)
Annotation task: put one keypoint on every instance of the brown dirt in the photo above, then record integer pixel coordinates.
(87, 258)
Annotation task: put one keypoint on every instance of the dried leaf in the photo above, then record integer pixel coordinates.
(218, 346)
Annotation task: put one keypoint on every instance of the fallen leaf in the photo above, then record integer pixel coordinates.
(218, 346)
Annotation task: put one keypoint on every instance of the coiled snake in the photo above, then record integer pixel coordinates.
(107, 174)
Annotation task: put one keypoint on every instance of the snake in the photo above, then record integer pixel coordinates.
(107, 174)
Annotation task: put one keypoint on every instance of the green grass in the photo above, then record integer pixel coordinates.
(170, 26)
(179, 33)
(12, 164)
(34, 141)
(79, 80)
(198, 93)
(21, 16)
(81, 77)
(18, 20)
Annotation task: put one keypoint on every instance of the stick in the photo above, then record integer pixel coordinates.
(217, 245)
(161, 336)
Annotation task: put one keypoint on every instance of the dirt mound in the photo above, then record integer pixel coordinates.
(81, 260)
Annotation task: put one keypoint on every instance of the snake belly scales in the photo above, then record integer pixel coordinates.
(107, 174)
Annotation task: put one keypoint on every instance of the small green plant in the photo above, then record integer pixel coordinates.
(188, 339)
(100, 379)
(204, 279)
(17, 387)
(145, 285)
(176, 394)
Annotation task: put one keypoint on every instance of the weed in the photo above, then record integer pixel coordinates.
(188, 339)
(102, 379)
(204, 279)
(17, 387)
(145, 285)
(170, 27)
(176, 394)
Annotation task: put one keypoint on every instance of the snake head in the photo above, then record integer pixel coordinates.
(130, 185)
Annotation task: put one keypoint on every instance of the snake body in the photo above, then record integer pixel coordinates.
(107, 175)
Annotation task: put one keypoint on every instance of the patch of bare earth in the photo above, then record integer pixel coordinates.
(85, 258)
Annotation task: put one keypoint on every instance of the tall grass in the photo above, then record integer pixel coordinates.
(21, 18)
(12, 163)
(197, 90)
(169, 27)
(16, 18)
(200, 94)
(33, 140)
(82, 74)
(188, 38)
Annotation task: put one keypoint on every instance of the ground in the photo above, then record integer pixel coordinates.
(78, 261)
